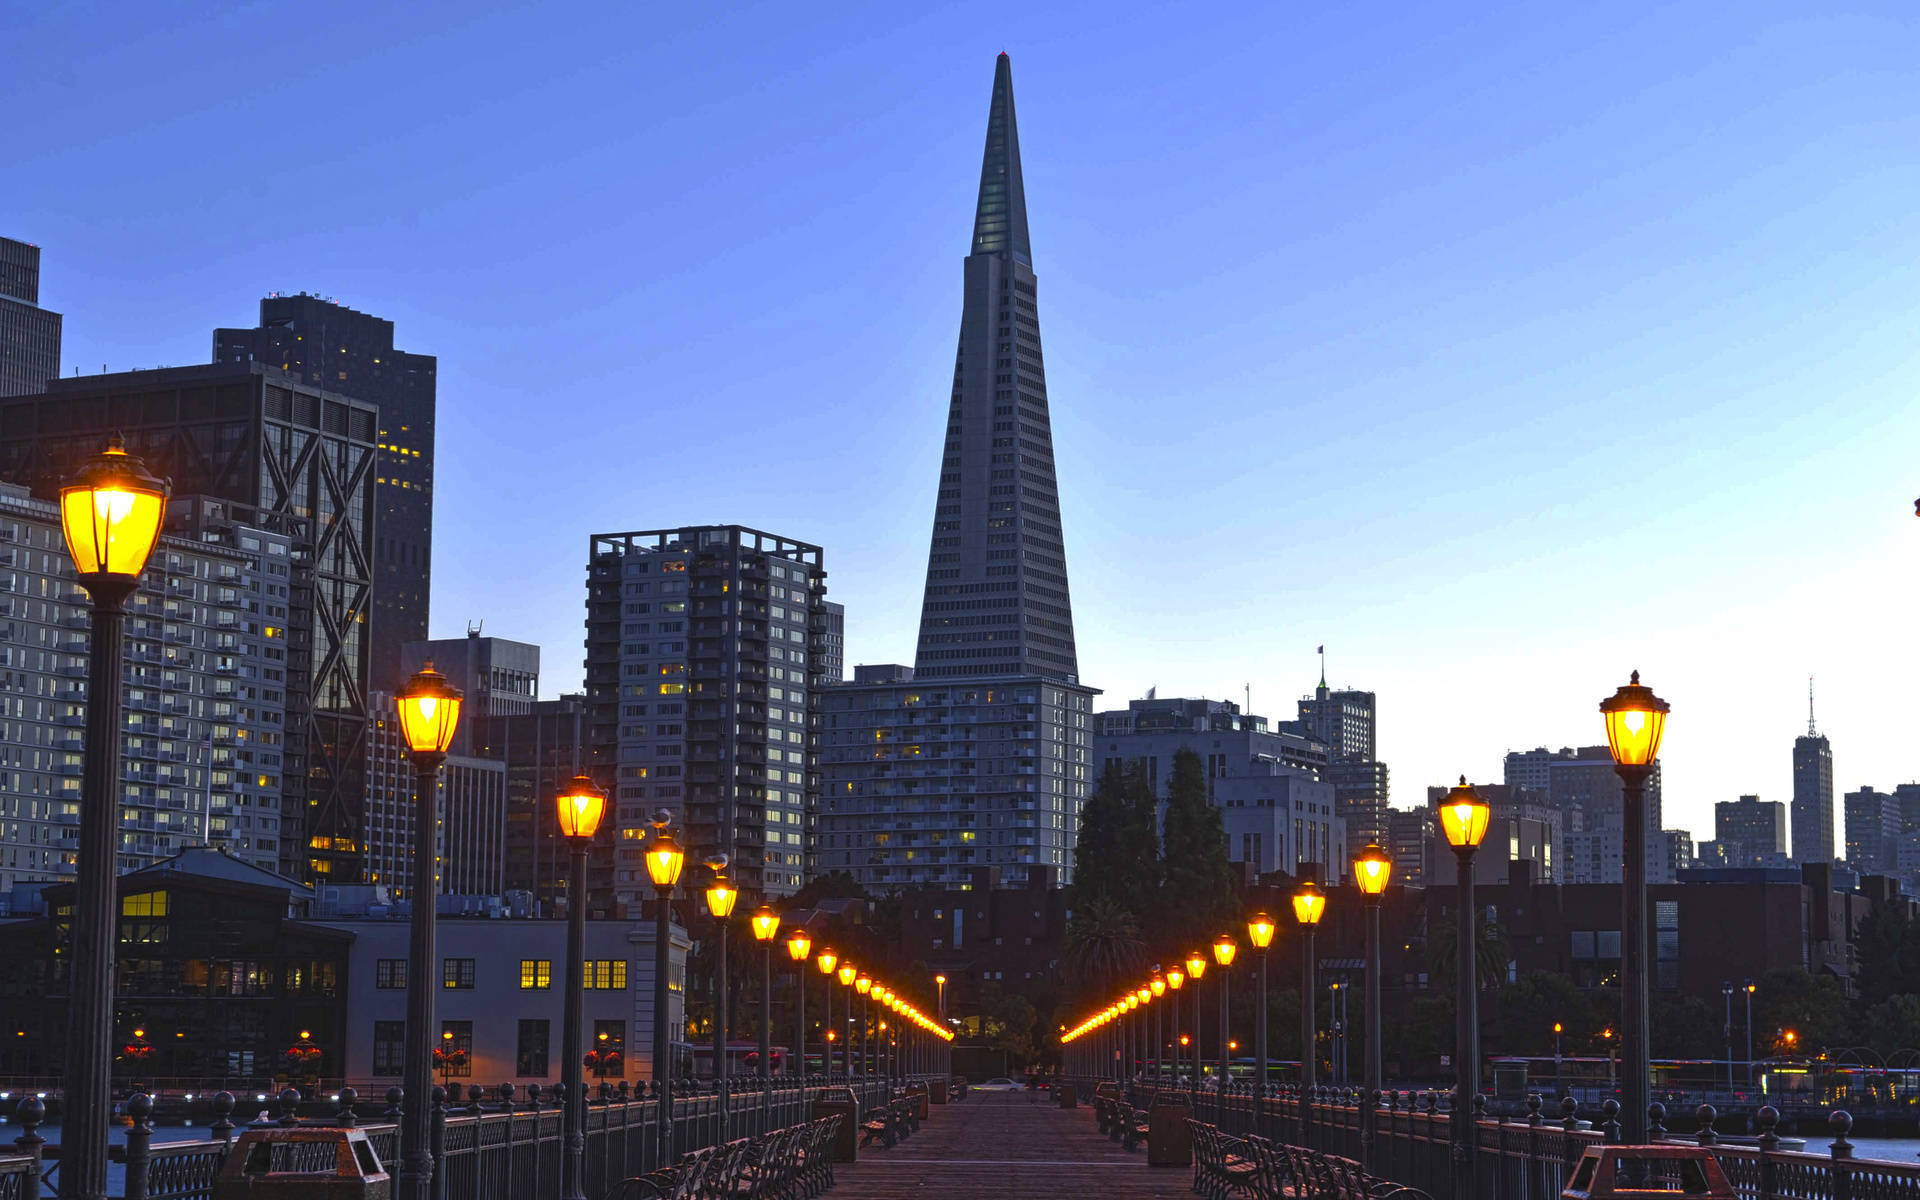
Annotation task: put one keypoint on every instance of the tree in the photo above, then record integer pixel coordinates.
(1887, 945)
(1196, 890)
(1684, 1027)
(1812, 1007)
(1103, 947)
(1490, 953)
(1529, 1008)
(1116, 856)
(1893, 1024)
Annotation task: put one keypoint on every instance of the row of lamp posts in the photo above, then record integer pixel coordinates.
(1635, 719)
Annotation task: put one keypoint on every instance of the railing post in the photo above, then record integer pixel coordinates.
(1706, 1115)
(1610, 1121)
(1569, 1125)
(437, 1141)
(289, 1108)
(1841, 1122)
(139, 1141)
(1536, 1183)
(346, 1118)
(396, 1099)
(30, 1113)
(222, 1127)
(1769, 1118)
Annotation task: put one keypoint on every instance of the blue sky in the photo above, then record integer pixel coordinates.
(1502, 349)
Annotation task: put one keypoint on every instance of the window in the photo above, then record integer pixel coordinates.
(145, 904)
(389, 1047)
(457, 973)
(453, 1057)
(531, 1057)
(605, 974)
(536, 974)
(390, 973)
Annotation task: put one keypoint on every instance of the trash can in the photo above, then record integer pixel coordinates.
(938, 1091)
(1066, 1095)
(829, 1102)
(295, 1164)
(917, 1092)
(1631, 1172)
(1169, 1140)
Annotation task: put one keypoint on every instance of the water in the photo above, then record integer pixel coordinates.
(1900, 1150)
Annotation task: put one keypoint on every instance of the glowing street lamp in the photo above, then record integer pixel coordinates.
(1635, 719)
(1372, 868)
(799, 946)
(664, 859)
(766, 927)
(721, 895)
(1196, 967)
(825, 960)
(1463, 818)
(579, 807)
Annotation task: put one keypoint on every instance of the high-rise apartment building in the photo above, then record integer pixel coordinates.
(1345, 720)
(1751, 832)
(1873, 830)
(286, 455)
(29, 334)
(1812, 794)
(203, 752)
(977, 755)
(332, 347)
(703, 654)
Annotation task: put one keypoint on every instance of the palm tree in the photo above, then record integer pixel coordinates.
(1103, 946)
(1489, 952)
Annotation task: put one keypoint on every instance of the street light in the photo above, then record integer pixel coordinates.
(1158, 986)
(1308, 905)
(111, 514)
(1726, 993)
(1749, 987)
(1635, 719)
(864, 986)
(766, 927)
(1224, 949)
(580, 806)
(847, 974)
(1556, 1058)
(1463, 818)
(1196, 967)
(1175, 978)
(721, 895)
(946, 1057)
(429, 710)
(825, 960)
(1372, 869)
(799, 945)
(665, 859)
(1260, 931)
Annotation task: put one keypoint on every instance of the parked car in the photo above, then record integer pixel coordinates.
(999, 1083)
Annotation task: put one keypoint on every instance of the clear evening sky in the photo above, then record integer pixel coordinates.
(1502, 351)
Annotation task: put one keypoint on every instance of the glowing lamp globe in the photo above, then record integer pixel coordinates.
(766, 924)
(1464, 816)
(1371, 870)
(429, 709)
(580, 805)
(665, 858)
(863, 985)
(1308, 904)
(1260, 929)
(1158, 985)
(1224, 950)
(848, 973)
(1175, 978)
(799, 945)
(720, 896)
(1635, 720)
(111, 514)
(1196, 965)
(825, 960)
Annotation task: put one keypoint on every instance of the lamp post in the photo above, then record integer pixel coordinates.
(1175, 979)
(1749, 987)
(847, 974)
(1371, 872)
(1635, 719)
(1308, 904)
(864, 986)
(1224, 948)
(1158, 986)
(1260, 930)
(1463, 818)
(1196, 967)
(1726, 992)
(111, 514)
(1556, 1059)
(945, 1056)
(429, 709)
(799, 945)
(665, 860)
(825, 960)
(766, 927)
(721, 895)
(580, 806)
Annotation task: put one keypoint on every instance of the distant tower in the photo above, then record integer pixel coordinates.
(1812, 792)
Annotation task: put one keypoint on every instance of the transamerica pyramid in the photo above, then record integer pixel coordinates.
(997, 602)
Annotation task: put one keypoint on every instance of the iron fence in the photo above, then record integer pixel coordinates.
(501, 1144)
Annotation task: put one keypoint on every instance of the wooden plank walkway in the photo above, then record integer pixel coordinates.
(1004, 1146)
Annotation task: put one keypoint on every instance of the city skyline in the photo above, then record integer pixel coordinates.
(1689, 401)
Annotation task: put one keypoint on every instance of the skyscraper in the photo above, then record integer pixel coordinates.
(976, 755)
(29, 334)
(1812, 793)
(996, 601)
(1346, 721)
(351, 353)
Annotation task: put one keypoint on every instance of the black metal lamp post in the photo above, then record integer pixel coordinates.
(111, 514)
(825, 960)
(720, 897)
(864, 986)
(1308, 904)
(799, 946)
(1196, 967)
(766, 927)
(1260, 930)
(1176, 1048)
(1749, 987)
(580, 805)
(1224, 948)
(946, 1061)
(1371, 871)
(1158, 986)
(1635, 720)
(1463, 817)
(665, 860)
(429, 709)
(847, 974)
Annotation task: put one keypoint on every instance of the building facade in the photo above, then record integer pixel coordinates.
(329, 346)
(1812, 798)
(203, 748)
(542, 750)
(286, 454)
(1751, 832)
(470, 840)
(496, 676)
(703, 662)
(29, 334)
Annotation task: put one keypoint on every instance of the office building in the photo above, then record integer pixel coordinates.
(29, 334)
(703, 660)
(329, 346)
(497, 677)
(1812, 794)
(833, 644)
(202, 747)
(977, 755)
(1410, 842)
(284, 454)
(470, 842)
(542, 749)
(1522, 828)
(1346, 721)
(1750, 832)
(1873, 830)
(1582, 786)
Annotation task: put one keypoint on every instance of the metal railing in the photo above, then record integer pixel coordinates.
(1409, 1140)
(498, 1144)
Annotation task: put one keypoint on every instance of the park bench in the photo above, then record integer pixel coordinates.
(1223, 1165)
(888, 1123)
(793, 1162)
(1134, 1126)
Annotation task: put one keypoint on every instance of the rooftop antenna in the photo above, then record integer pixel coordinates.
(1811, 732)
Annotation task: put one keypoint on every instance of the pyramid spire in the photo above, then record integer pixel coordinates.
(1000, 217)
